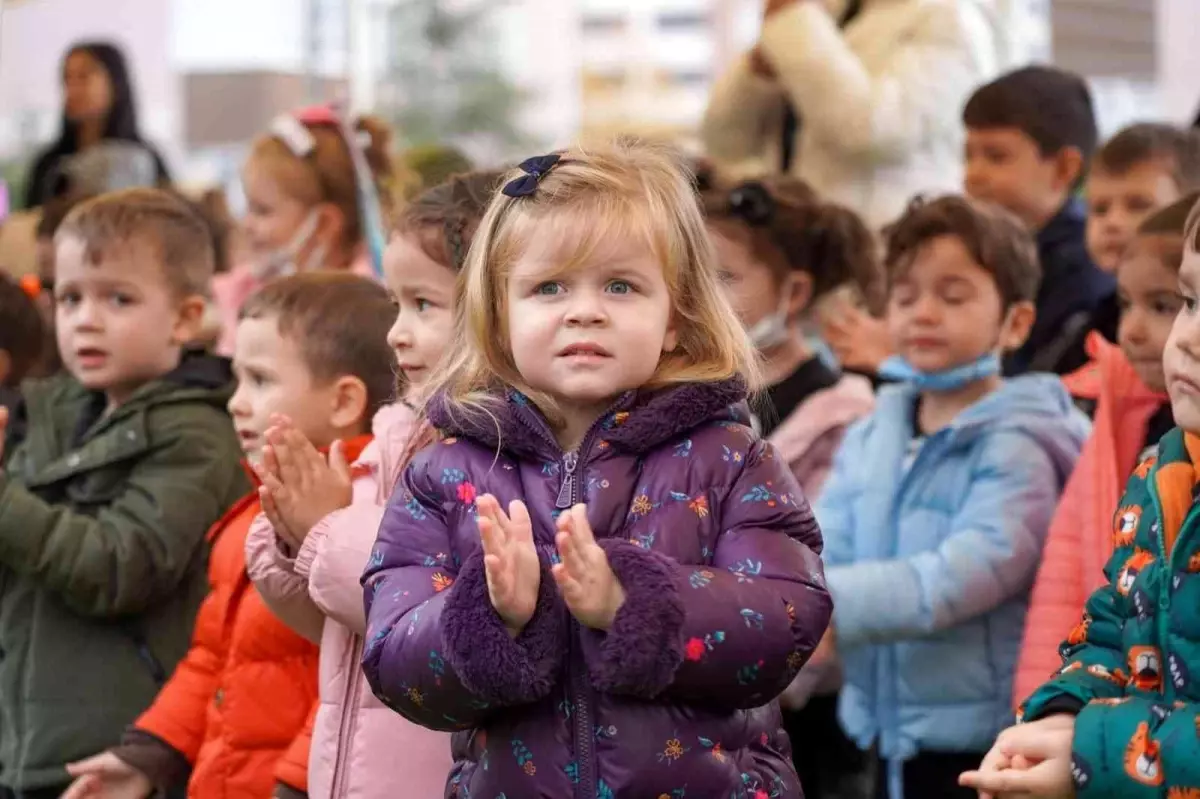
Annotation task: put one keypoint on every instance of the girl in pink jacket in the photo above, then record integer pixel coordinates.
(309, 549)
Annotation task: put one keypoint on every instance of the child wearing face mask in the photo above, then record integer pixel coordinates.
(316, 192)
(940, 499)
(307, 554)
(233, 718)
(1132, 412)
(784, 257)
(602, 577)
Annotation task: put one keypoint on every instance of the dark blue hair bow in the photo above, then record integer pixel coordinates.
(535, 169)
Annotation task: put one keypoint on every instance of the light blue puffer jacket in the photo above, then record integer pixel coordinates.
(930, 569)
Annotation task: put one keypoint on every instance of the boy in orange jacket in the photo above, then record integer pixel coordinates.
(236, 712)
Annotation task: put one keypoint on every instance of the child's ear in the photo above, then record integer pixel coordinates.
(189, 323)
(349, 403)
(1068, 167)
(1016, 326)
(799, 288)
(331, 224)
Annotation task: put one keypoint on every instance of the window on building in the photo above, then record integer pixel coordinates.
(682, 20)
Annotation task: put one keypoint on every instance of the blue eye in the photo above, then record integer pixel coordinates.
(423, 304)
(548, 289)
(620, 287)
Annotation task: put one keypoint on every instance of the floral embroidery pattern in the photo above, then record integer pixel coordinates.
(441, 582)
(731, 456)
(678, 793)
(437, 665)
(414, 509)
(435, 560)
(683, 449)
(572, 772)
(605, 733)
(376, 559)
(466, 493)
(748, 674)
(673, 751)
(641, 506)
(753, 619)
(644, 541)
(744, 569)
(696, 648)
(699, 506)
(524, 757)
(714, 749)
(700, 579)
(603, 791)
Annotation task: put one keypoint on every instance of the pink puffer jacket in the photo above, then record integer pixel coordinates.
(360, 749)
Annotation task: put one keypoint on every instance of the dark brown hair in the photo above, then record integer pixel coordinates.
(1178, 149)
(339, 321)
(785, 227)
(1049, 105)
(22, 330)
(180, 236)
(1161, 234)
(443, 219)
(995, 238)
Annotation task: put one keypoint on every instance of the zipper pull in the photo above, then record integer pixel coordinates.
(570, 461)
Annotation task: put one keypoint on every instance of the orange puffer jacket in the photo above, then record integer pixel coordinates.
(238, 706)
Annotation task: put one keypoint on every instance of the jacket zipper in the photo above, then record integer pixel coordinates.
(350, 710)
(568, 497)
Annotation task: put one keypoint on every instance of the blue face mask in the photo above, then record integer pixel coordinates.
(899, 370)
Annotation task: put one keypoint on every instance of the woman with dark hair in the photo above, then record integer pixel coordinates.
(98, 109)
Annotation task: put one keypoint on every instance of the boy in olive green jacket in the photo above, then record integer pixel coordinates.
(1121, 718)
(128, 459)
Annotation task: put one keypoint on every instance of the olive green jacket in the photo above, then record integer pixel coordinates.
(102, 558)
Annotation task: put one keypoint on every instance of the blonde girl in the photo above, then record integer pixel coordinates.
(601, 578)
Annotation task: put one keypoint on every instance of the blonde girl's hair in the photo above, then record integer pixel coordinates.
(624, 191)
(326, 175)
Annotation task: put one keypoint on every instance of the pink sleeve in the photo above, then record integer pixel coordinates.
(283, 590)
(333, 559)
(1059, 591)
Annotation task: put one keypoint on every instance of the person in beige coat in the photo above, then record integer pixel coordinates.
(879, 98)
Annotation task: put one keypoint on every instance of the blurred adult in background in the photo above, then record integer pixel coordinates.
(860, 98)
(99, 147)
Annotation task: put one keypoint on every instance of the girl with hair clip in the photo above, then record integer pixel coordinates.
(316, 191)
(786, 261)
(602, 577)
(307, 553)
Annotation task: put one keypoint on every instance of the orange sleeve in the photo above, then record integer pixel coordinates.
(179, 713)
(292, 769)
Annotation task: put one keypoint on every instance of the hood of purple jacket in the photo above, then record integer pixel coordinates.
(718, 553)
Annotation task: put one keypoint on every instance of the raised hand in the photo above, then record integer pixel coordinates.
(301, 487)
(588, 585)
(510, 561)
(106, 776)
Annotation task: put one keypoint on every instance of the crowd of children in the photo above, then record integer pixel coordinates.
(505, 489)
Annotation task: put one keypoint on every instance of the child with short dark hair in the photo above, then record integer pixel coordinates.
(1119, 719)
(22, 342)
(939, 500)
(1132, 412)
(1030, 135)
(130, 458)
(235, 713)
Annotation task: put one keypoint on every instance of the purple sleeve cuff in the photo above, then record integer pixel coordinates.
(488, 661)
(644, 648)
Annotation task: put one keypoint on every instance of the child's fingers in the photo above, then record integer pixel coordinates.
(289, 472)
(569, 550)
(583, 528)
(518, 519)
(568, 586)
(269, 462)
(493, 566)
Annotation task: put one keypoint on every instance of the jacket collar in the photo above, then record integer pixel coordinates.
(637, 422)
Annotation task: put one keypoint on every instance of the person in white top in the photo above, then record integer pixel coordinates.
(878, 87)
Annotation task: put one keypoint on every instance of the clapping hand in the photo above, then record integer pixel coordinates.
(510, 561)
(299, 486)
(588, 585)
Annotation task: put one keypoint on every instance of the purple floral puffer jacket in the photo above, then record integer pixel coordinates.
(717, 551)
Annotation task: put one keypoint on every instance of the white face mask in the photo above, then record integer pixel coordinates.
(773, 329)
(283, 260)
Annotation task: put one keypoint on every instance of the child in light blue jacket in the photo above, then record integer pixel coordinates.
(939, 502)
